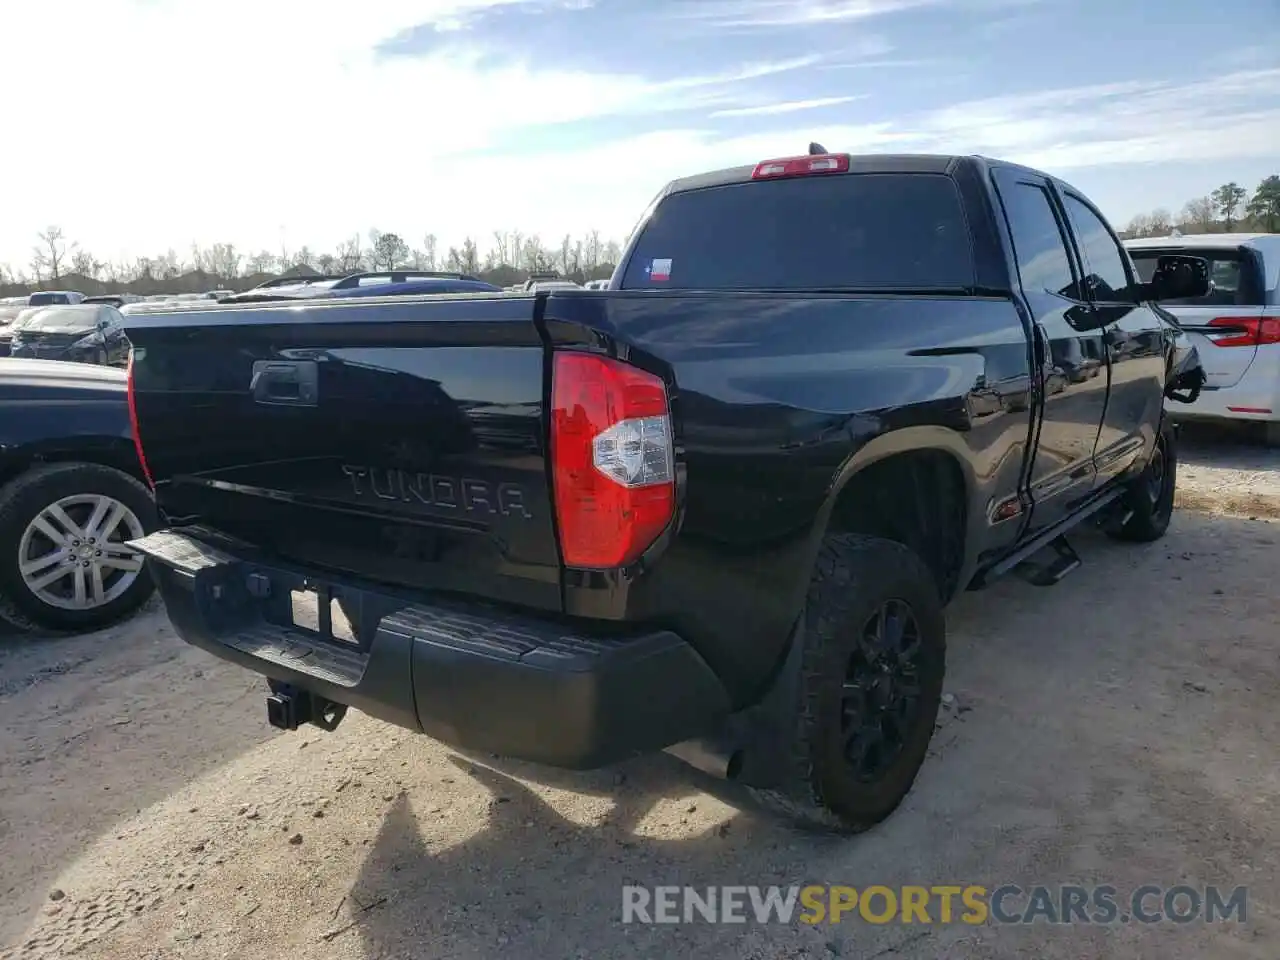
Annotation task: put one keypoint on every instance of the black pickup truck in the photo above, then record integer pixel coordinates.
(716, 508)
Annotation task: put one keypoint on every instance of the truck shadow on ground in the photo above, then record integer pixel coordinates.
(535, 883)
(1119, 728)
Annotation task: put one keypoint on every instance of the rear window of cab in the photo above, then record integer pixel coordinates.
(839, 231)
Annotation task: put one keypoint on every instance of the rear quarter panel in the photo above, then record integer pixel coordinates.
(777, 401)
(55, 410)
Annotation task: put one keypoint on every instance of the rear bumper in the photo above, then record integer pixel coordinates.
(470, 676)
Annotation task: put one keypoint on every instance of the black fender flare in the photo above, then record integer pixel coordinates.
(893, 443)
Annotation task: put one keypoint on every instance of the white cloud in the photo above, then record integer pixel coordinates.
(793, 13)
(785, 106)
(269, 121)
(1231, 116)
(1096, 126)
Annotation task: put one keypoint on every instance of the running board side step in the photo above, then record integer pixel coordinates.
(1053, 572)
(1067, 559)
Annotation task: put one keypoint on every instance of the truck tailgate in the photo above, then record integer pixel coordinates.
(402, 441)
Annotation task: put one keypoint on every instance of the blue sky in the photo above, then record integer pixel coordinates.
(462, 117)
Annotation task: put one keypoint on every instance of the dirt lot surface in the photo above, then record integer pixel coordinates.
(1120, 728)
(1221, 471)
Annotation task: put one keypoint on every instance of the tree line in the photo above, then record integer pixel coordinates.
(58, 261)
(510, 257)
(1228, 209)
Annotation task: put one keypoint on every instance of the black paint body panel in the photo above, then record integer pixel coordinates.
(420, 461)
(54, 410)
(408, 444)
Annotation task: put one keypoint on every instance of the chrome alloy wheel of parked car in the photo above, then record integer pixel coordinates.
(73, 555)
(64, 559)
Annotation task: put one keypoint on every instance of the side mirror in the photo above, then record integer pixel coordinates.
(1178, 277)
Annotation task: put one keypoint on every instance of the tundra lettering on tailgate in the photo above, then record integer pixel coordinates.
(437, 490)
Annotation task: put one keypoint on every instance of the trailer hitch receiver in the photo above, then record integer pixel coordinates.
(288, 707)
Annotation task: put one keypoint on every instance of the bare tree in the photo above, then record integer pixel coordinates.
(167, 266)
(470, 256)
(591, 255)
(566, 249)
(224, 261)
(535, 258)
(1139, 225)
(85, 264)
(350, 256)
(429, 247)
(1199, 214)
(499, 252)
(1161, 222)
(50, 254)
(264, 261)
(304, 258)
(325, 262)
(125, 271)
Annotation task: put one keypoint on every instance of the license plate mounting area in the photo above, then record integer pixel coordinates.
(314, 607)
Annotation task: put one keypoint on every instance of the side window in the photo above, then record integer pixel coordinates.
(1229, 277)
(1107, 277)
(1038, 244)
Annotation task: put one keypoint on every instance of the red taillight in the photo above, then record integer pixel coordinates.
(133, 425)
(801, 166)
(1245, 331)
(612, 460)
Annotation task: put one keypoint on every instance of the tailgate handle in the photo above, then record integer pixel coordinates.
(285, 382)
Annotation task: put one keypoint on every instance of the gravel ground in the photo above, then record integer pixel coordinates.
(1223, 472)
(1118, 728)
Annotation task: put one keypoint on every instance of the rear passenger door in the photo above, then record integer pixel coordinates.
(1134, 340)
(1068, 351)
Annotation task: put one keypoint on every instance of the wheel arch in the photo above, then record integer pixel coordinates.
(105, 450)
(938, 450)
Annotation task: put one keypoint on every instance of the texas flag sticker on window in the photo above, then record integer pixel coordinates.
(660, 269)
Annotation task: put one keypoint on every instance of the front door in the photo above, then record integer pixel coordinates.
(1069, 352)
(1135, 340)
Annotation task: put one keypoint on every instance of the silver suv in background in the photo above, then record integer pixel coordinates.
(1235, 326)
(54, 298)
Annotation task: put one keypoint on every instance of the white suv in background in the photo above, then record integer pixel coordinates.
(1235, 327)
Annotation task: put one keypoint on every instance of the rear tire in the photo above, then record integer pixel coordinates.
(1150, 495)
(867, 703)
(72, 584)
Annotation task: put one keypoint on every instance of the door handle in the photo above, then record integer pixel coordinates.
(294, 383)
